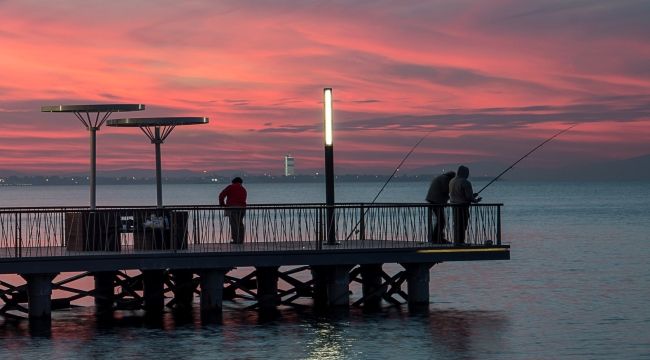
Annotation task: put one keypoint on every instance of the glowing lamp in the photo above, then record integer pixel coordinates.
(327, 100)
(330, 230)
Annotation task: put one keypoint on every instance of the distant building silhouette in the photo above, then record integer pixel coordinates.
(288, 165)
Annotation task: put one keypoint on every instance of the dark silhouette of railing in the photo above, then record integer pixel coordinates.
(78, 231)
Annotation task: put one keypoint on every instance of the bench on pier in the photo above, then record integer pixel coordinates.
(101, 230)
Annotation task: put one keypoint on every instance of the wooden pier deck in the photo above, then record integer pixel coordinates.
(189, 248)
(60, 259)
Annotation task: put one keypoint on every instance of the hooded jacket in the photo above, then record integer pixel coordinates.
(460, 189)
(439, 189)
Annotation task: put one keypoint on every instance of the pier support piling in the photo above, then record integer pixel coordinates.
(183, 288)
(154, 296)
(371, 286)
(331, 285)
(39, 295)
(319, 274)
(417, 278)
(104, 291)
(267, 287)
(212, 293)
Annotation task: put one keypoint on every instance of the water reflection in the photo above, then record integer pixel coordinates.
(463, 331)
(40, 328)
(328, 342)
(289, 333)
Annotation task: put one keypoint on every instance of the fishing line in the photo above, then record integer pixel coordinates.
(525, 156)
(354, 230)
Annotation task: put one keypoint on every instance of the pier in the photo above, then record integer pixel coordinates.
(154, 258)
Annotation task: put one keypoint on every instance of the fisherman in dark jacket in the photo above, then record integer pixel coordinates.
(438, 196)
(461, 195)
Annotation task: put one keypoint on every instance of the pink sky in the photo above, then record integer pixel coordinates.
(494, 78)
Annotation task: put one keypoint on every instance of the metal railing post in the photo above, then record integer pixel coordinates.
(62, 225)
(195, 215)
(362, 223)
(18, 235)
(430, 223)
(321, 229)
(499, 225)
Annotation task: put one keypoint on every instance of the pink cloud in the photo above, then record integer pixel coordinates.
(257, 70)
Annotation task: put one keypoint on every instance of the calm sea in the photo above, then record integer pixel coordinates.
(577, 287)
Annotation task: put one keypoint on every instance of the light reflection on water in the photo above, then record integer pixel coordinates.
(577, 287)
(291, 334)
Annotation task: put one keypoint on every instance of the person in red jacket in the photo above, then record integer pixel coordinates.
(234, 195)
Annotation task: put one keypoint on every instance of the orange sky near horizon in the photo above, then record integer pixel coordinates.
(494, 79)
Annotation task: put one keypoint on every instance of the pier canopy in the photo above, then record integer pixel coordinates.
(157, 129)
(159, 121)
(93, 116)
(93, 108)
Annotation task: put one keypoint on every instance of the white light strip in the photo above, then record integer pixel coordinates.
(328, 116)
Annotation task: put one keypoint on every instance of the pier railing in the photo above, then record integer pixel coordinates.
(78, 231)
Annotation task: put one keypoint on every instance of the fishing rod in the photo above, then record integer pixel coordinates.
(391, 177)
(401, 163)
(525, 156)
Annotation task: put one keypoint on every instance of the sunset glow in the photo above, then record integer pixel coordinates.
(492, 79)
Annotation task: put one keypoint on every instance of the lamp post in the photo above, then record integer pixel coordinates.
(157, 130)
(329, 167)
(100, 113)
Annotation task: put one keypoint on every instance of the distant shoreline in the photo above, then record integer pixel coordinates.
(70, 180)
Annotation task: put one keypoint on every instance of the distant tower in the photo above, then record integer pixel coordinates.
(288, 165)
